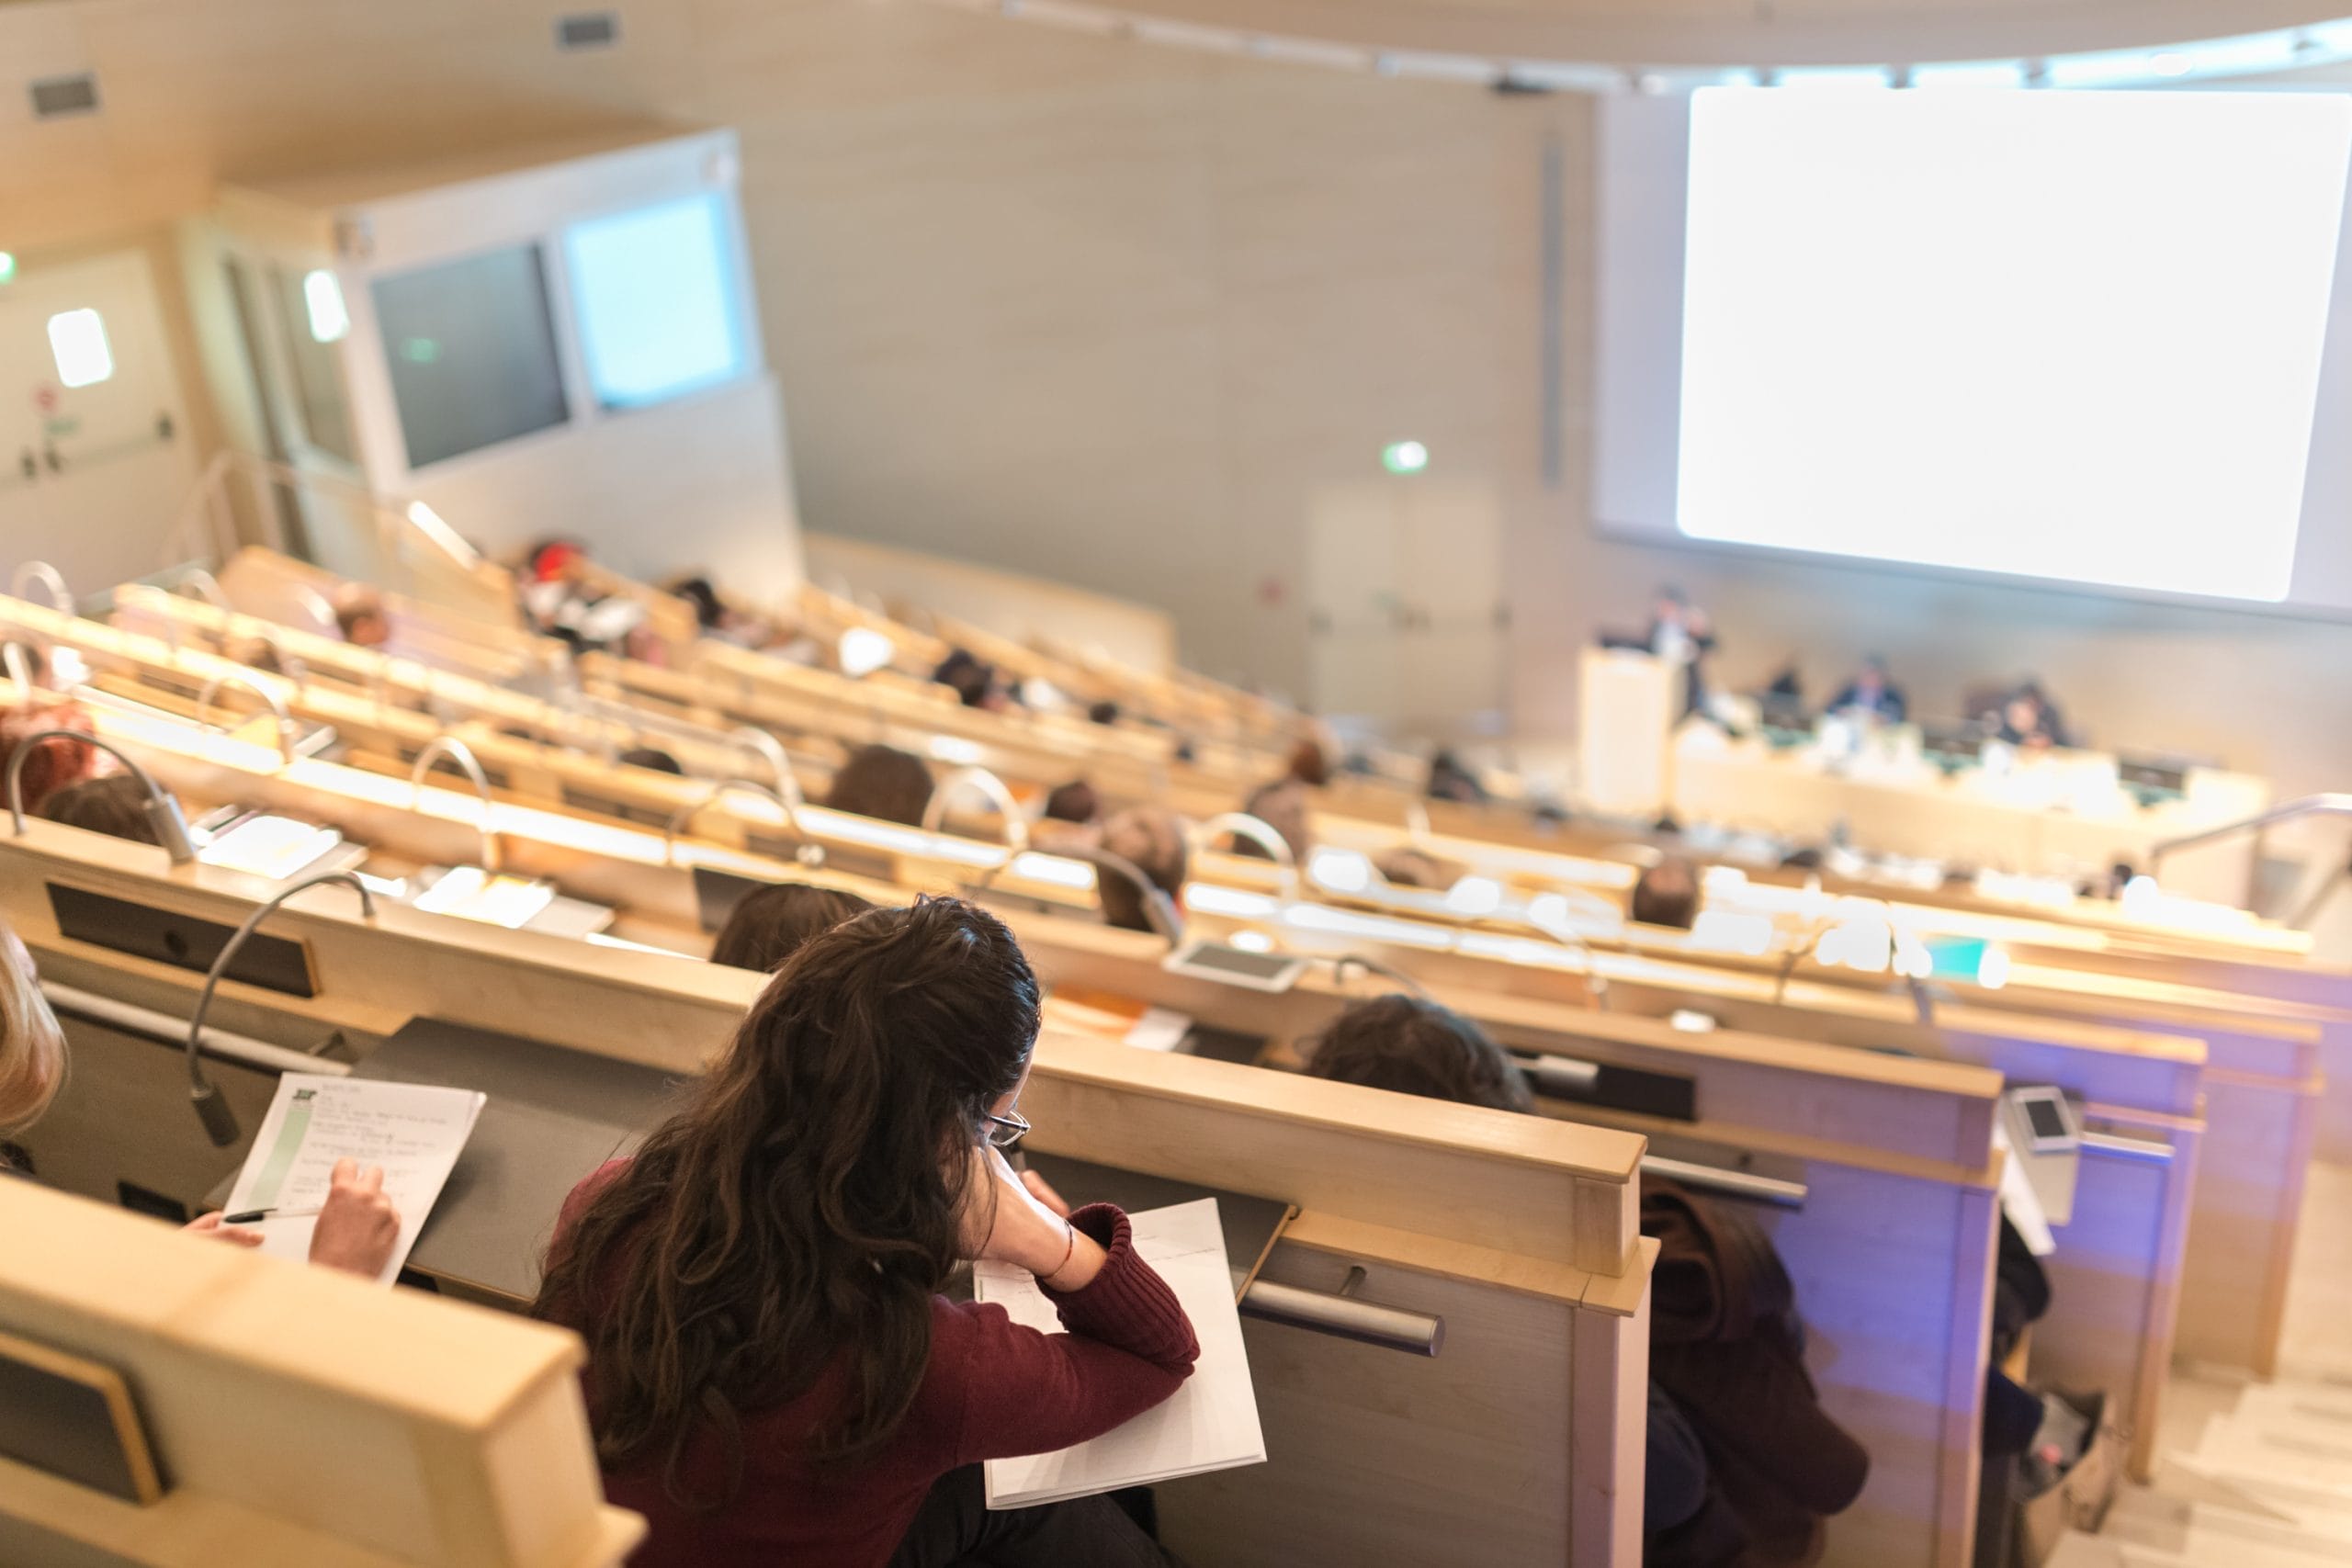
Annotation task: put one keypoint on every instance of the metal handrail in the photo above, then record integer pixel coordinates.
(2308, 806)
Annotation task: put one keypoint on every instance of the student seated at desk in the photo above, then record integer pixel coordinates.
(1281, 806)
(1743, 1463)
(1403, 1043)
(54, 763)
(1667, 893)
(115, 805)
(973, 680)
(715, 617)
(1404, 866)
(1451, 779)
(883, 783)
(1074, 802)
(360, 616)
(651, 757)
(773, 923)
(773, 1376)
(358, 1225)
(1310, 765)
(1153, 843)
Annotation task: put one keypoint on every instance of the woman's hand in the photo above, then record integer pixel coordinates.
(1019, 1219)
(211, 1229)
(358, 1225)
(1042, 1191)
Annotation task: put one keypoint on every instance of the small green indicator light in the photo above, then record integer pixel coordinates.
(1404, 457)
(8, 267)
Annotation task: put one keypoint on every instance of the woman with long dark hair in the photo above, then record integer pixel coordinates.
(772, 1374)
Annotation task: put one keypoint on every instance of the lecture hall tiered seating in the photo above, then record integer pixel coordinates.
(1481, 789)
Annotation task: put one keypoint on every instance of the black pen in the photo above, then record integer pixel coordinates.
(251, 1216)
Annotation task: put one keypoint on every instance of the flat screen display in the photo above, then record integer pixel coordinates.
(2076, 336)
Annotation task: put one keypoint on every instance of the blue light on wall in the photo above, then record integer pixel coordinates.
(653, 291)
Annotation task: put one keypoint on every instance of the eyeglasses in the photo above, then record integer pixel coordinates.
(1006, 1129)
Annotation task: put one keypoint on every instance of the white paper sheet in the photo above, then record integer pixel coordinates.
(414, 1131)
(1210, 1423)
(1159, 1029)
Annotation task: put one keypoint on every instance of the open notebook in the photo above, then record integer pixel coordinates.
(1210, 1423)
(414, 1131)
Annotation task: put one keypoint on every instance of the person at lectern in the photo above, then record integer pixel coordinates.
(1681, 633)
(1872, 693)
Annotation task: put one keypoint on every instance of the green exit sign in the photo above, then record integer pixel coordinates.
(1404, 457)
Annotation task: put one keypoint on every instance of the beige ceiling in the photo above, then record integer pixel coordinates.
(1744, 32)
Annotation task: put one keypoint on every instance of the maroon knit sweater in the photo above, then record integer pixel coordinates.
(992, 1390)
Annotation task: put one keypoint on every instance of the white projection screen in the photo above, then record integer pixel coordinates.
(2072, 336)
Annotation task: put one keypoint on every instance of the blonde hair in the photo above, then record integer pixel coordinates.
(32, 1046)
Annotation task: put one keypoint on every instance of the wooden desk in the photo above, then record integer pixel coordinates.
(304, 1418)
(1520, 1443)
(2062, 813)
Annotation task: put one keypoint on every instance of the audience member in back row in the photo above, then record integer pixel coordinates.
(1153, 843)
(1073, 802)
(651, 757)
(360, 616)
(1403, 1043)
(973, 680)
(357, 1225)
(1742, 1461)
(773, 923)
(1451, 779)
(883, 783)
(115, 805)
(1281, 806)
(1667, 893)
(52, 764)
(716, 617)
(773, 1375)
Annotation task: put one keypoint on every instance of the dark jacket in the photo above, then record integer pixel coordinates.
(1726, 1346)
(1890, 706)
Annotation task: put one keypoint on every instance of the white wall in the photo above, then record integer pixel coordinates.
(1082, 307)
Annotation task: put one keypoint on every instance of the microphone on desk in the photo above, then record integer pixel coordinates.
(219, 1121)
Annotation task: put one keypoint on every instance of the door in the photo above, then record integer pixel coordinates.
(1452, 586)
(292, 323)
(95, 459)
(1405, 596)
(1355, 615)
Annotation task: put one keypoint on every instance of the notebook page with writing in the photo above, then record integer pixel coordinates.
(1210, 1423)
(414, 1131)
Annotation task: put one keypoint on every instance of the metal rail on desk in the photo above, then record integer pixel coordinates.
(162, 1029)
(1325, 1312)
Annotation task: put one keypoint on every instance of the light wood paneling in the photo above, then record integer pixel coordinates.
(293, 1407)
